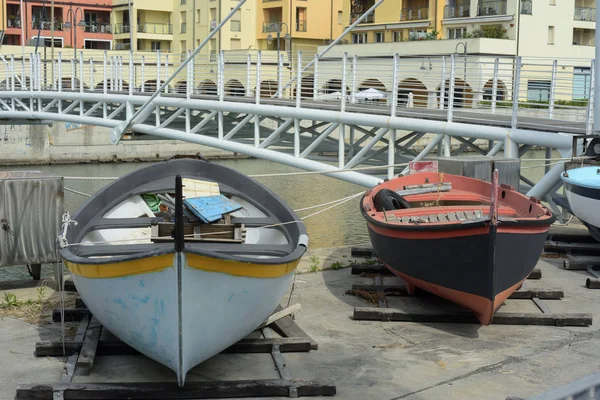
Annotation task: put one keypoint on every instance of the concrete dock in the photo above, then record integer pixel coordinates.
(366, 360)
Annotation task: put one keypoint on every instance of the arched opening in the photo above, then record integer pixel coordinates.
(181, 87)
(100, 86)
(419, 96)
(488, 90)
(18, 81)
(208, 87)
(334, 85)
(235, 88)
(268, 88)
(463, 94)
(371, 91)
(306, 87)
(151, 85)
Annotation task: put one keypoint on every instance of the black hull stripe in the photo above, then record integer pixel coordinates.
(583, 191)
(463, 263)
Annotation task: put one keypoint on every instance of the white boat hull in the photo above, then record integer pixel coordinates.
(181, 324)
(585, 208)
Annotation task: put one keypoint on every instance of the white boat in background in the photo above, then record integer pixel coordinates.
(582, 189)
(175, 289)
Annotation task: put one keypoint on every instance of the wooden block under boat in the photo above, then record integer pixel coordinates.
(224, 233)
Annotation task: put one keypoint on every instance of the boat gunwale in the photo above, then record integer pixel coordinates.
(573, 181)
(299, 248)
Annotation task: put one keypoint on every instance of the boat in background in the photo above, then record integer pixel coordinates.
(582, 188)
(175, 288)
(466, 240)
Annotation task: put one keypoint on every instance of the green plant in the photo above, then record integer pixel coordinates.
(433, 35)
(370, 261)
(336, 265)
(41, 292)
(489, 31)
(314, 263)
(10, 299)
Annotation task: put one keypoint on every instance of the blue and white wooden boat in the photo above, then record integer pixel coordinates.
(182, 296)
(582, 189)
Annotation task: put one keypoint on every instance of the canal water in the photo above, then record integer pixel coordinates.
(340, 226)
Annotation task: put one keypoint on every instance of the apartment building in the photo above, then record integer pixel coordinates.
(142, 25)
(301, 24)
(82, 25)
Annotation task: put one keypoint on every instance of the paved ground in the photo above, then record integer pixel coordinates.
(370, 360)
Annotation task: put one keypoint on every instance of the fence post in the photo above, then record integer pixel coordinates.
(552, 90)
(495, 85)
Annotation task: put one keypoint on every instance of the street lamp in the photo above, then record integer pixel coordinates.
(287, 37)
(464, 44)
(72, 17)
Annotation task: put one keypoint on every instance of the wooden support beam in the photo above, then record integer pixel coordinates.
(116, 347)
(362, 252)
(592, 283)
(85, 362)
(168, 391)
(376, 268)
(388, 314)
(288, 328)
(400, 290)
(71, 314)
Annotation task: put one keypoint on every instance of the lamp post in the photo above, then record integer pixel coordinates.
(72, 17)
(287, 37)
(464, 44)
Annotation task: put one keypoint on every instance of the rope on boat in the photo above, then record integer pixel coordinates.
(76, 192)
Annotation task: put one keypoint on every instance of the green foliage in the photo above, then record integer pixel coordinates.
(538, 104)
(336, 265)
(433, 35)
(10, 299)
(314, 263)
(489, 31)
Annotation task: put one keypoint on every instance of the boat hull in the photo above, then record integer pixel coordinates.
(457, 265)
(585, 203)
(180, 314)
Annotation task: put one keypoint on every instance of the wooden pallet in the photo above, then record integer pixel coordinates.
(87, 344)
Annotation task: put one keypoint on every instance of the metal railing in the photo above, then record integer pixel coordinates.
(47, 25)
(414, 14)
(13, 23)
(235, 25)
(526, 7)
(121, 28)
(271, 26)
(98, 27)
(585, 14)
(486, 8)
(301, 25)
(156, 28)
(369, 20)
(458, 11)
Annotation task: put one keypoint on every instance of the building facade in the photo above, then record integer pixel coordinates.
(82, 25)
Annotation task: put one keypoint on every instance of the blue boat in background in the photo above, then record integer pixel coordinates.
(582, 188)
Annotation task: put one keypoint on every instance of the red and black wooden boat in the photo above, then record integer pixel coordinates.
(448, 235)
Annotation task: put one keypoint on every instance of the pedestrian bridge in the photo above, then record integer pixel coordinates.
(335, 115)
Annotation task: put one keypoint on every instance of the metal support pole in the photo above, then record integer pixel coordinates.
(597, 78)
(516, 92)
(353, 84)
(443, 84)
(143, 74)
(298, 105)
(451, 93)
(280, 75)
(257, 99)
(548, 182)
(249, 76)
(220, 79)
(393, 108)
(342, 134)
(548, 158)
(142, 113)
(316, 77)
(591, 100)
(495, 85)
(552, 90)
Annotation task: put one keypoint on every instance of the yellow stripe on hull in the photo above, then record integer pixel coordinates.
(159, 263)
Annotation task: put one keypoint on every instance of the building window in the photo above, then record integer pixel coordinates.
(457, 33)
(198, 19)
(526, 7)
(397, 36)
(183, 17)
(379, 38)
(581, 83)
(417, 34)
(538, 90)
(301, 19)
(552, 2)
(154, 46)
(340, 19)
(235, 44)
(550, 35)
(359, 38)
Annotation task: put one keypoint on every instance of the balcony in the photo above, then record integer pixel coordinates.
(155, 28)
(14, 23)
(414, 14)
(458, 11)
(369, 20)
(271, 26)
(301, 25)
(98, 27)
(46, 25)
(121, 28)
(585, 14)
(488, 8)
